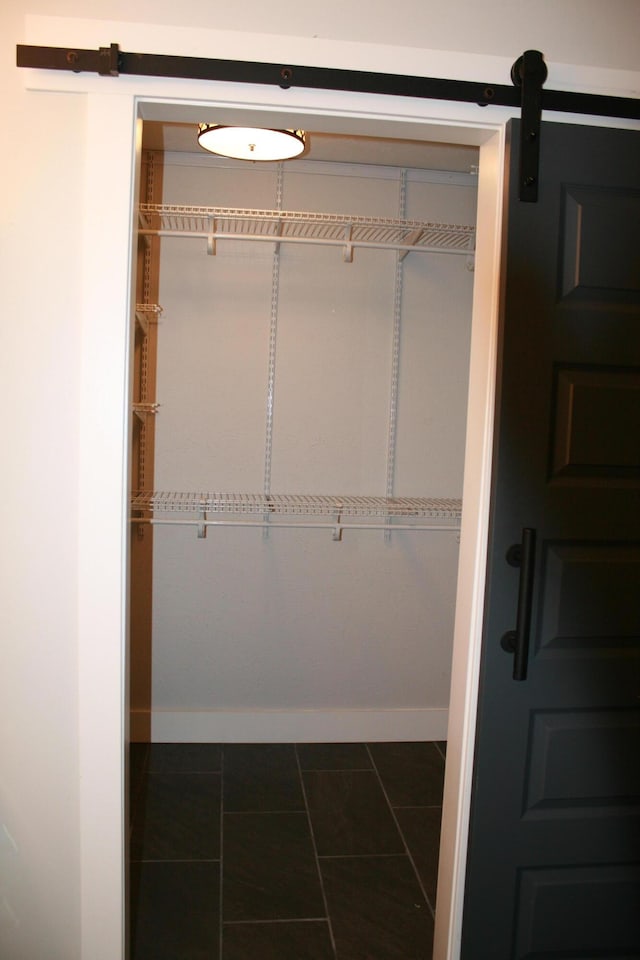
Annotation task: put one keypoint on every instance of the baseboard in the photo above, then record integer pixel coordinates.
(298, 726)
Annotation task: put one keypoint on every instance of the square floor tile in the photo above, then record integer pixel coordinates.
(261, 777)
(178, 818)
(377, 909)
(412, 773)
(349, 814)
(138, 767)
(334, 756)
(269, 868)
(420, 827)
(138, 756)
(185, 757)
(175, 911)
(291, 940)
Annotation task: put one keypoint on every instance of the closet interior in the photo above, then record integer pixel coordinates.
(300, 346)
(301, 351)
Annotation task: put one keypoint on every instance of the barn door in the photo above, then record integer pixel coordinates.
(554, 856)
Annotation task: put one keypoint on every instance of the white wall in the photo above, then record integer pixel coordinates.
(42, 328)
(573, 31)
(244, 626)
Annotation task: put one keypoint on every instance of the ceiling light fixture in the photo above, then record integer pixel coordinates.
(251, 143)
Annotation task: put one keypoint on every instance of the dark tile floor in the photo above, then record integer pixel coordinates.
(283, 851)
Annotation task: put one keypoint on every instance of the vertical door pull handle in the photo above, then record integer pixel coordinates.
(517, 641)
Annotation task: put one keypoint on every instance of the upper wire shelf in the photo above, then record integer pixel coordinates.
(217, 223)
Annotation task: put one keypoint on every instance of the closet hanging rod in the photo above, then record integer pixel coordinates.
(336, 528)
(347, 244)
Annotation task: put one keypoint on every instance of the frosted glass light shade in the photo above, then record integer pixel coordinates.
(251, 143)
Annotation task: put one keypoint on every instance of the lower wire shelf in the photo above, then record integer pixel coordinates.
(336, 513)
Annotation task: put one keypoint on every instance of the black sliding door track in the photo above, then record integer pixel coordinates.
(110, 61)
(528, 75)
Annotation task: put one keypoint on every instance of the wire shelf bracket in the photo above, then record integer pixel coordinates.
(146, 313)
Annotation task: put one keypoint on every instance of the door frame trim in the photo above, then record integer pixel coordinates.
(99, 313)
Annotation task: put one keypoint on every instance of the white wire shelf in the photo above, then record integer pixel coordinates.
(287, 510)
(297, 505)
(218, 223)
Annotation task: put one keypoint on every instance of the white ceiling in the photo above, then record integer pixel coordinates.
(181, 137)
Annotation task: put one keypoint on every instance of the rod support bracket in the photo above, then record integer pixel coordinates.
(529, 72)
(336, 533)
(202, 525)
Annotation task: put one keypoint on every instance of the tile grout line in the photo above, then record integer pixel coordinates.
(266, 813)
(359, 856)
(399, 829)
(315, 852)
(336, 769)
(179, 860)
(248, 923)
(185, 773)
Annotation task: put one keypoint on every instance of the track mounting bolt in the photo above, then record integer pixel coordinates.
(286, 75)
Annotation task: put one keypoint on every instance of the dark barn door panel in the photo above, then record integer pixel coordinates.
(553, 869)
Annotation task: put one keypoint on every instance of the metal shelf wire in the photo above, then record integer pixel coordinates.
(339, 512)
(204, 509)
(303, 505)
(217, 223)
